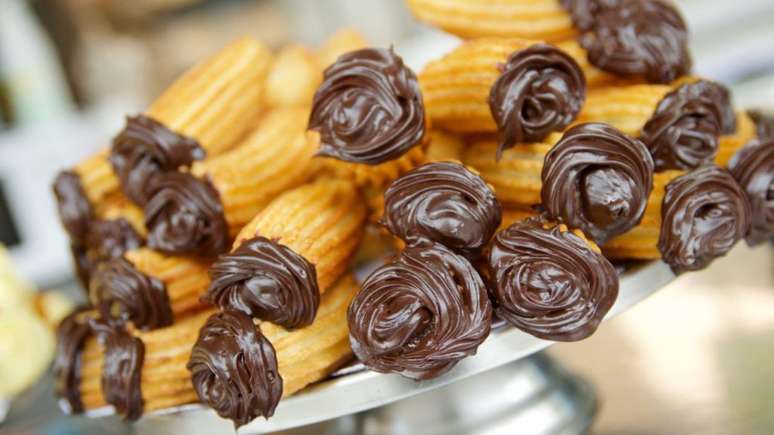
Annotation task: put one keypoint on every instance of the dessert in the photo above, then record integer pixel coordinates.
(753, 167)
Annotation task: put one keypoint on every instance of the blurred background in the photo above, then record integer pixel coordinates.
(70, 70)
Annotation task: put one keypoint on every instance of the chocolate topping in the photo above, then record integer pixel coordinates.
(368, 108)
(597, 179)
(445, 203)
(703, 214)
(83, 264)
(267, 280)
(683, 132)
(541, 90)
(184, 216)
(633, 37)
(420, 314)
(549, 282)
(234, 368)
(122, 293)
(146, 148)
(71, 335)
(75, 210)
(753, 168)
(764, 124)
(121, 369)
(111, 238)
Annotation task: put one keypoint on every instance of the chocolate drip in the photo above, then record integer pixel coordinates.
(71, 335)
(684, 130)
(145, 149)
(234, 368)
(420, 314)
(445, 203)
(121, 293)
(549, 282)
(368, 108)
(267, 280)
(185, 216)
(753, 167)
(121, 369)
(75, 210)
(541, 90)
(764, 124)
(597, 179)
(633, 37)
(703, 213)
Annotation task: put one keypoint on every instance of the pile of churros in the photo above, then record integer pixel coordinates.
(218, 233)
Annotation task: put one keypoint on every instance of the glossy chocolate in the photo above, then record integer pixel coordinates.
(185, 216)
(368, 108)
(420, 314)
(75, 210)
(234, 368)
(549, 282)
(764, 124)
(442, 202)
(703, 214)
(84, 267)
(121, 293)
(633, 37)
(597, 179)
(145, 149)
(71, 334)
(111, 238)
(753, 168)
(684, 130)
(541, 90)
(267, 280)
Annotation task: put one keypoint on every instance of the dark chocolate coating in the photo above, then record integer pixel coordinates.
(71, 334)
(145, 149)
(548, 281)
(442, 202)
(75, 210)
(121, 293)
(633, 37)
(764, 124)
(753, 168)
(368, 108)
(84, 267)
(684, 130)
(185, 216)
(267, 280)
(121, 369)
(703, 214)
(111, 238)
(597, 179)
(234, 368)
(420, 314)
(541, 90)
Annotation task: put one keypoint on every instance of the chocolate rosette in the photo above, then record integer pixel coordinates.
(549, 281)
(74, 207)
(442, 202)
(267, 280)
(234, 368)
(71, 335)
(753, 168)
(684, 130)
(146, 148)
(368, 108)
(185, 216)
(597, 179)
(111, 238)
(121, 293)
(764, 124)
(420, 314)
(633, 37)
(703, 214)
(541, 90)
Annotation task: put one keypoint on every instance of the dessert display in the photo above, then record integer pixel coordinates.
(221, 234)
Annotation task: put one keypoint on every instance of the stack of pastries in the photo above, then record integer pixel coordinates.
(218, 233)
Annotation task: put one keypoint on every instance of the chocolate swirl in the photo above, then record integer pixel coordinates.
(121, 293)
(71, 334)
(549, 282)
(234, 368)
(145, 149)
(684, 130)
(445, 203)
(75, 210)
(368, 108)
(541, 89)
(420, 314)
(764, 124)
(111, 238)
(121, 369)
(185, 216)
(633, 37)
(597, 179)
(267, 280)
(753, 168)
(703, 214)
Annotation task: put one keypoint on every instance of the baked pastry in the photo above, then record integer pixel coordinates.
(444, 147)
